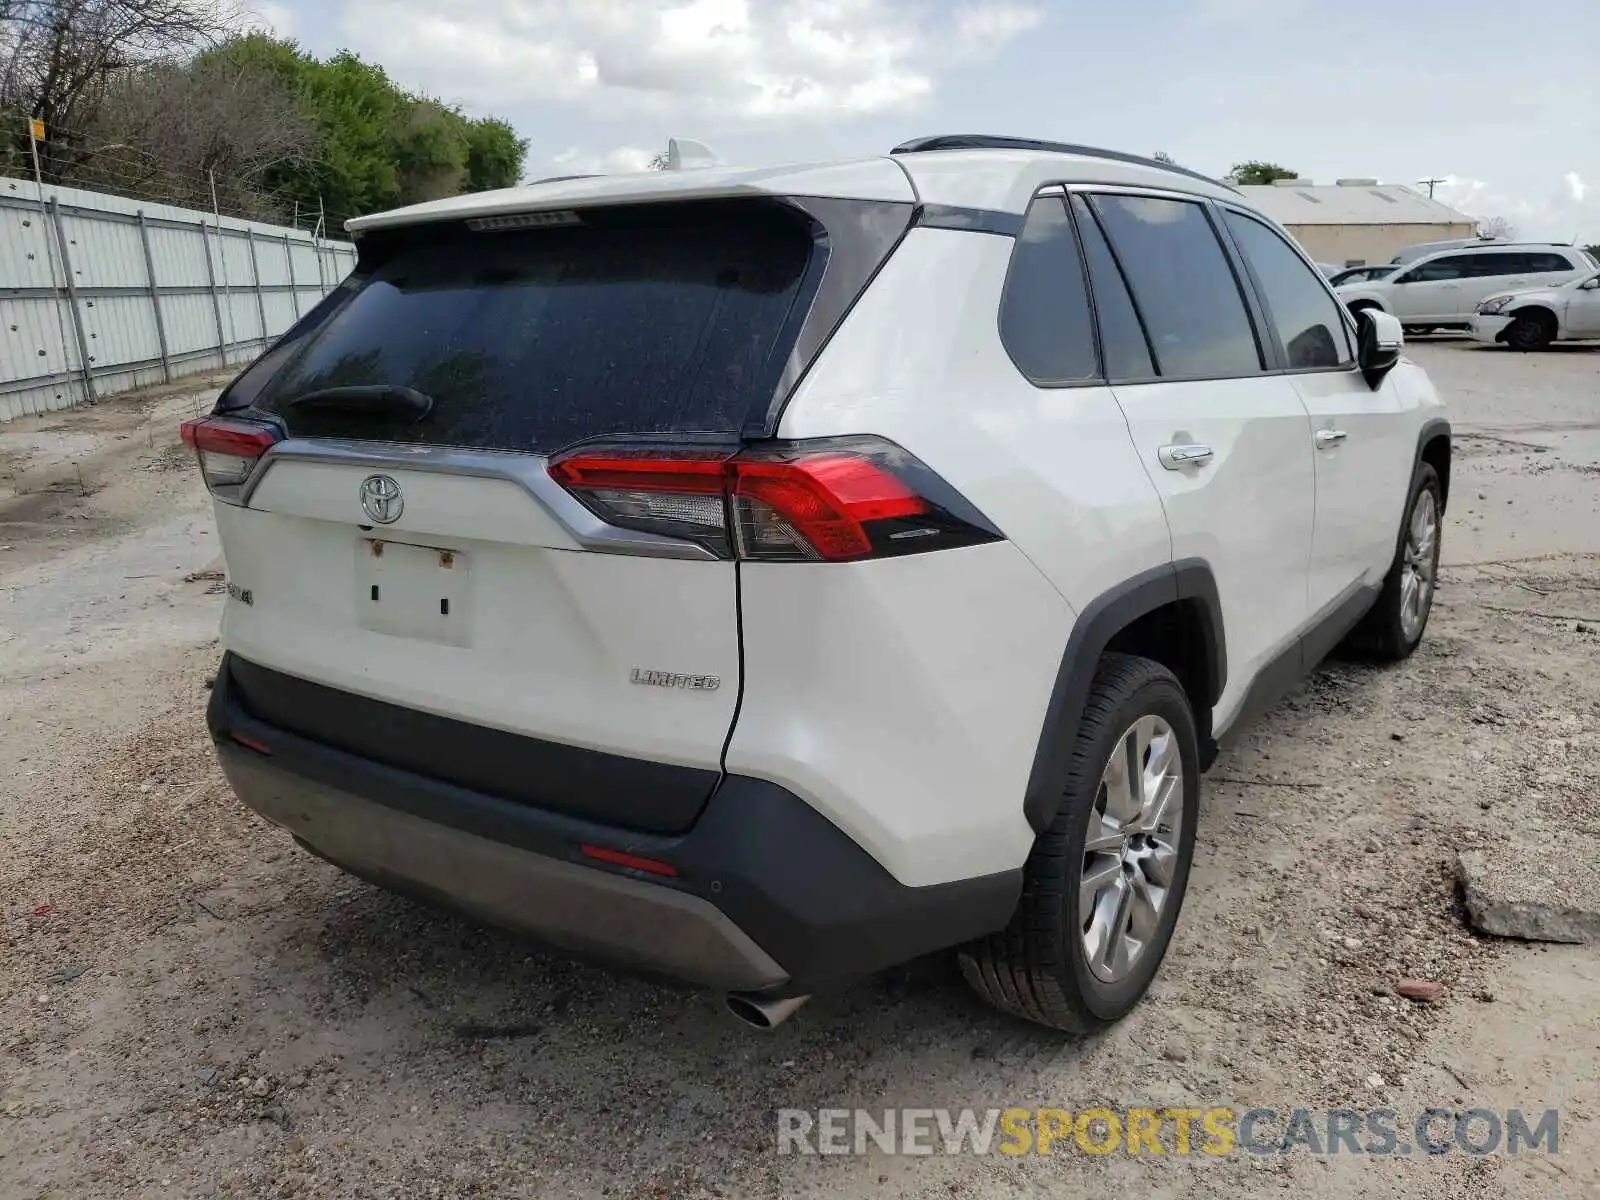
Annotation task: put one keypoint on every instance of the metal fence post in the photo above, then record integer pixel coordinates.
(261, 296)
(72, 302)
(155, 298)
(216, 302)
(288, 261)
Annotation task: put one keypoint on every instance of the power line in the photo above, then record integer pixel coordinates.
(1431, 184)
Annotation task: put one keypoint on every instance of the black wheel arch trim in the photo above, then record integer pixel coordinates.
(1433, 428)
(1101, 620)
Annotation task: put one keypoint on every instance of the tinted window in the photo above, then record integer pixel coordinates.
(674, 319)
(1306, 318)
(1549, 262)
(1183, 285)
(1122, 340)
(1044, 313)
(1487, 265)
(1452, 266)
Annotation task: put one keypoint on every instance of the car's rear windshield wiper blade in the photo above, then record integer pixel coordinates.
(383, 400)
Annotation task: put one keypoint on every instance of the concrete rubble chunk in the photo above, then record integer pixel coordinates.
(1544, 892)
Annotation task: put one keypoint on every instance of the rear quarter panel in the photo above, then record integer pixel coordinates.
(905, 698)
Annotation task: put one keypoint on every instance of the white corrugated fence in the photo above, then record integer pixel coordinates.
(101, 293)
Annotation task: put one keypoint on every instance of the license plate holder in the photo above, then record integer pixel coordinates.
(418, 592)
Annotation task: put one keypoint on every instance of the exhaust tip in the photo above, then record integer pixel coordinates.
(763, 1012)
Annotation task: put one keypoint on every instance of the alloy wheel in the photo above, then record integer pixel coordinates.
(1130, 851)
(1420, 565)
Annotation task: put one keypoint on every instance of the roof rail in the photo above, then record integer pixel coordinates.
(559, 179)
(985, 141)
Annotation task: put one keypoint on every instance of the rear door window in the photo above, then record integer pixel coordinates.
(1122, 339)
(1044, 311)
(1486, 266)
(644, 320)
(1183, 284)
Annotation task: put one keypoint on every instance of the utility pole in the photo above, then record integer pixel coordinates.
(1431, 184)
(222, 255)
(35, 136)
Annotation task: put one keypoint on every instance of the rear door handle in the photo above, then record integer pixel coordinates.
(1175, 458)
(1330, 437)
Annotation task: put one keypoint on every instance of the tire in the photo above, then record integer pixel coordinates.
(1039, 966)
(1418, 330)
(1530, 331)
(1393, 627)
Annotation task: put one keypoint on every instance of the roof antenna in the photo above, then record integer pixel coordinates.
(686, 155)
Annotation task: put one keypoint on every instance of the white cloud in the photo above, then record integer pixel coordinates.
(987, 28)
(275, 19)
(622, 160)
(1556, 214)
(727, 60)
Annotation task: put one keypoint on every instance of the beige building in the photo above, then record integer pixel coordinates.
(1358, 221)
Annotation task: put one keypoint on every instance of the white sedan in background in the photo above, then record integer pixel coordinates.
(1531, 319)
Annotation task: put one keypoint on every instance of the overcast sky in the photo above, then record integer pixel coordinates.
(1505, 108)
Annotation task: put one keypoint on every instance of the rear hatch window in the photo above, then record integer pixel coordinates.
(645, 319)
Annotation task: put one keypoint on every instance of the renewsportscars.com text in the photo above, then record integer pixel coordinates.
(1214, 1130)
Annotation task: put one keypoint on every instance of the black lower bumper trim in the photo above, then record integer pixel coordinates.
(635, 793)
(782, 874)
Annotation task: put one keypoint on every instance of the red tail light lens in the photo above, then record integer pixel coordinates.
(817, 506)
(228, 451)
(831, 500)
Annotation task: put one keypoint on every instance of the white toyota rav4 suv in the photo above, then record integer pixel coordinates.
(763, 577)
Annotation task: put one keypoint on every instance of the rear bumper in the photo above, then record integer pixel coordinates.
(769, 895)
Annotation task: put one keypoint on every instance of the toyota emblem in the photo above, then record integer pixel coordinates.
(381, 498)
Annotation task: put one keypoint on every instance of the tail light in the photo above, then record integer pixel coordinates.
(829, 500)
(228, 451)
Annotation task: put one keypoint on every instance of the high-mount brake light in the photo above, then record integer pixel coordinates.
(831, 500)
(228, 451)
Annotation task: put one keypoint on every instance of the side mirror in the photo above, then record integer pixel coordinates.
(1379, 338)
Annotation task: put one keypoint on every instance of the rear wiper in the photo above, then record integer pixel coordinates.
(390, 400)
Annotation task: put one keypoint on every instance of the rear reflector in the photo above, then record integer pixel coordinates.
(228, 451)
(621, 858)
(250, 743)
(831, 500)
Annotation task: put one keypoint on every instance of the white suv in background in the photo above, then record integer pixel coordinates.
(1532, 319)
(765, 577)
(1443, 290)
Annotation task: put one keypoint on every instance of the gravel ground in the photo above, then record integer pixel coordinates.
(192, 1007)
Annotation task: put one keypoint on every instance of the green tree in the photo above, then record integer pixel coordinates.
(1254, 172)
(286, 134)
(494, 155)
(430, 151)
